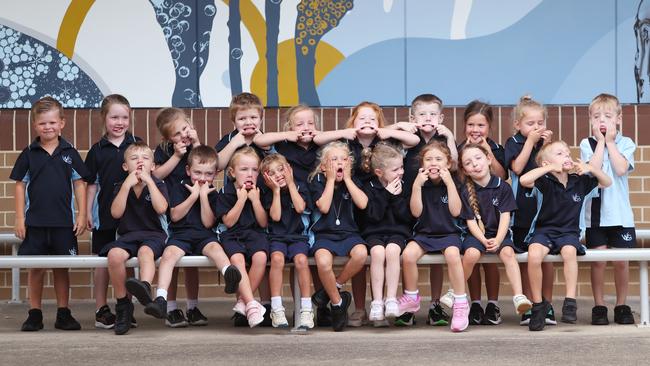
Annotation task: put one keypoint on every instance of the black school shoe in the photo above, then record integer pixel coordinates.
(123, 317)
(320, 298)
(569, 311)
(157, 308)
(232, 276)
(34, 321)
(623, 315)
(104, 318)
(239, 320)
(599, 315)
(492, 314)
(323, 316)
(476, 314)
(176, 319)
(140, 289)
(538, 316)
(340, 313)
(196, 318)
(65, 321)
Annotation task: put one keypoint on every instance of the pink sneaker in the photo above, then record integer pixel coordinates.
(255, 313)
(240, 307)
(408, 305)
(460, 317)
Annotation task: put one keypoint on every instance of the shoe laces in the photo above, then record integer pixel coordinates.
(459, 309)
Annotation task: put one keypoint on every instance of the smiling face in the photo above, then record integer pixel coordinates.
(366, 122)
(337, 157)
(180, 132)
(475, 163)
(247, 121)
(558, 153)
(117, 120)
(245, 170)
(532, 119)
(604, 116)
(48, 125)
(433, 160)
(393, 169)
(201, 172)
(427, 116)
(477, 128)
(138, 159)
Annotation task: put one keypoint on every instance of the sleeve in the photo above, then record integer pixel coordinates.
(586, 151)
(400, 205)
(21, 166)
(222, 143)
(267, 198)
(159, 156)
(176, 195)
(588, 183)
(304, 193)
(116, 190)
(627, 148)
(225, 202)
(507, 202)
(377, 202)
(541, 184)
(511, 151)
(317, 187)
(91, 164)
(466, 212)
(79, 167)
(162, 187)
(500, 155)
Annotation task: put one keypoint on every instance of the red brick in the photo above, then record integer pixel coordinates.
(6, 130)
(23, 130)
(328, 122)
(83, 124)
(389, 115)
(271, 121)
(568, 123)
(583, 127)
(506, 124)
(214, 121)
(139, 123)
(154, 135)
(643, 124)
(343, 114)
(553, 121)
(198, 118)
(402, 114)
(629, 128)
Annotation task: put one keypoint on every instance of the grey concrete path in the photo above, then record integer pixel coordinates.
(220, 343)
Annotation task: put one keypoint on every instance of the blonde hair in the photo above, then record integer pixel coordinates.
(469, 184)
(108, 101)
(383, 152)
(324, 151)
(290, 114)
(45, 105)
(381, 121)
(527, 102)
(244, 151)
(606, 100)
(541, 154)
(245, 101)
(164, 121)
(272, 159)
(436, 145)
(136, 146)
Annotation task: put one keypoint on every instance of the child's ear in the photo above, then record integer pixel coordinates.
(442, 117)
(230, 172)
(379, 173)
(411, 118)
(187, 170)
(125, 167)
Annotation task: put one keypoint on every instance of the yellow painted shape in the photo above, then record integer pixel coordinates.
(70, 25)
(327, 57)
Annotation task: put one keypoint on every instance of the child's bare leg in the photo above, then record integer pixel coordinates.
(470, 257)
(301, 265)
(170, 257)
(173, 286)
(507, 256)
(455, 269)
(257, 269)
(525, 283)
(598, 279)
(621, 280)
(392, 269)
(377, 260)
(359, 288)
(412, 253)
(244, 292)
(147, 264)
(536, 254)
(35, 287)
(100, 280)
(492, 279)
(117, 271)
(435, 279)
(569, 254)
(548, 278)
(354, 265)
(474, 282)
(191, 283)
(214, 251)
(324, 259)
(275, 273)
(61, 286)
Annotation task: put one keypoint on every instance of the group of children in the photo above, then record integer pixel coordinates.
(392, 192)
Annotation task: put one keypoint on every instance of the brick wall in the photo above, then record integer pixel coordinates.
(569, 123)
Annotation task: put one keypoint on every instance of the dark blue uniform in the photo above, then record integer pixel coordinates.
(557, 222)
(289, 235)
(179, 173)
(140, 225)
(412, 160)
(497, 150)
(104, 162)
(388, 216)
(302, 161)
(493, 199)
(188, 233)
(337, 231)
(246, 236)
(436, 229)
(49, 206)
(260, 152)
(526, 203)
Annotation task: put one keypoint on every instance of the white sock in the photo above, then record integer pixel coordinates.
(161, 292)
(223, 270)
(276, 302)
(339, 286)
(339, 303)
(171, 306)
(305, 303)
(495, 302)
(412, 294)
(192, 303)
(265, 302)
(477, 302)
(462, 297)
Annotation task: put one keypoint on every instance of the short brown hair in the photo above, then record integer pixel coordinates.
(541, 154)
(202, 154)
(137, 145)
(425, 99)
(45, 105)
(606, 99)
(245, 101)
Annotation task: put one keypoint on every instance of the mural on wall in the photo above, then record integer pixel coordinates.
(195, 53)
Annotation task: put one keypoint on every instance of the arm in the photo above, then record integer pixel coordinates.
(504, 226)
(415, 204)
(91, 191)
(80, 196)
(276, 206)
(598, 155)
(528, 180)
(179, 211)
(329, 136)
(521, 160)
(207, 215)
(358, 197)
(455, 204)
(265, 140)
(226, 153)
(258, 208)
(476, 232)
(619, 163)
(119, 202)
(298, 202)
(407, 139)
(324, 203)
(19, 225)
(165, 169)
(158, 200)
(231, 218)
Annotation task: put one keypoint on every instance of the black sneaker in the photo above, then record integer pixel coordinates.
(323, 316)
(320, 298)
(34, 321)
(232, 276)
(340, 313)
(267, 322)
(599, 315)
(140, 289)
(569, 310)
(405, 320)
(550, 315)
(123, 317)
(492, 314)
(65, 321)
(525, 318)
(176, 319)
(537, 316)
(134, 323)
(157, 308)
(239, 320)
(437, 316)
(623, 315)
(476, 314)
(104, 319)
(196, 318)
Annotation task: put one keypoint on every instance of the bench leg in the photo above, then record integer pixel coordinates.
(643, 284)
(15, 279)
(296, 300)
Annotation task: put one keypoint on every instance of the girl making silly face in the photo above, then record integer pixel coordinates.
(435, 165)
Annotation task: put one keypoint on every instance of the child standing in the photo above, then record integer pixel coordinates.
(46, 171)
(435, 203)
(487, 204)
(286, 201)
(335, 195)
(178, 139)
(555, 228)
(140, 203)
(608, 216)
(104, 162)
(243, 220)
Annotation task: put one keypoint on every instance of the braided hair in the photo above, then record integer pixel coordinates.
(470, 185)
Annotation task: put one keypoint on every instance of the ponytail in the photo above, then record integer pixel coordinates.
(473, 203)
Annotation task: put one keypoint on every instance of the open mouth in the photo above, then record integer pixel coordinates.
(339, 172)
(249, 184)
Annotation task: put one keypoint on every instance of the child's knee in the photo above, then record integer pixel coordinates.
(359, 253)
(568, 253)
(301, 262)
(377, 251)
(259, 258)
(277, 259)
(471, 255)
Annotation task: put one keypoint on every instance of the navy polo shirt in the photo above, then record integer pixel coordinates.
(436, 220)
(226, 199)
(497, 150)
(324, 226)
(493, 199)
(260, 152)
(302, 161)
(386, 213)
(561, 208)
(104, 162)
(179, 173)
(526, 203)
(412, 160)
(139, 214)
(49, 193)
(292, 225)
(191, 221)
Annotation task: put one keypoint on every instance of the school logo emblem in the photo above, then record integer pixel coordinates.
(147, 197)
(444, 199)
(346, 196)
(626, 237)
(576, 198)
(495, 202)
(72, 251)
(67, 159)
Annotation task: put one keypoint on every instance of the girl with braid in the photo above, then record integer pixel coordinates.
(487, 203)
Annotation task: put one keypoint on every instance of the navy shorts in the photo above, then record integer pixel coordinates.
(435, 244)
(555, 241)
(131, 242)
(519, 239)
(192, 242)
(384, 240)
(612, 236)
(339, 248)
(471, 242)
(48, 241)
(245, 242)
(102, 237)
(289, 248)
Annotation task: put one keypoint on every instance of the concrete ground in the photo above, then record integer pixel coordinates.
(220, 343)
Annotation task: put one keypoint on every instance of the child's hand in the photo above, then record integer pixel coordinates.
(292, 136)
(411, 127)
(350, 133)
(19, 228)
(421, 178)
(395, 187)
(239, 140)
(382, 133)
(492, 245)
(547, 136)
(194, 189)
(610, 134)
(253, 194)
(535, 135)
(595, 130)
(330, 171)
(205, 189)
(347, 170)
(445, 175)
(556, 167)
(242, 194)
(582, 167)
(144, 175)
(180, 149)
(288, 174)
(132, 179)
(89, 222)
(194, 137)
(271, 183)
(80, 225)
(444, 131)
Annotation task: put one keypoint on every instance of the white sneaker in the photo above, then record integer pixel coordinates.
(448, 299)
(240, 307)
(522, 304)
(278, 318)
(376, 311)
(380, 323)
(306, 319)
(392, 308)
